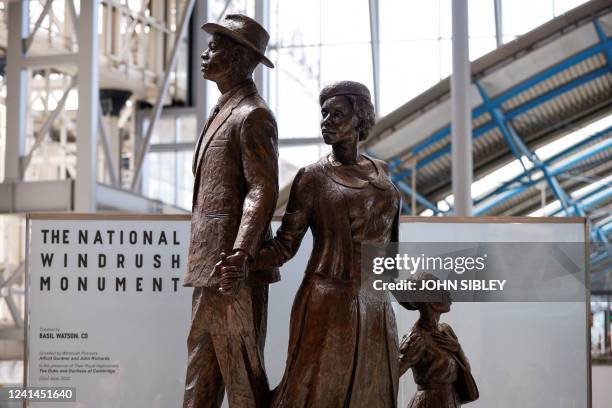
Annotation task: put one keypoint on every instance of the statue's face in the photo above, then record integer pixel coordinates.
(441, 307)
(439, 301)
(444, 305)
(217, 59)
(338, 122)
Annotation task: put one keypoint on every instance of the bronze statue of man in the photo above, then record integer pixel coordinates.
(234, 196)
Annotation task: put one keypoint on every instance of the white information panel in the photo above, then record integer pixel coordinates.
(107, 313)
(130, 328)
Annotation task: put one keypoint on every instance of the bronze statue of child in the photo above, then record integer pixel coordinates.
(439, 367)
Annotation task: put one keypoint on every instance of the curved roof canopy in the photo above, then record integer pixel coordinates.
(525, 94)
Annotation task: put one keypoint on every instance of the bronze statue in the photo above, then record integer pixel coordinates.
(234, 196)
(439, 367)
(343, 345)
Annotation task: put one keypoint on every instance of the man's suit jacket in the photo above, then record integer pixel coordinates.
(236, 186)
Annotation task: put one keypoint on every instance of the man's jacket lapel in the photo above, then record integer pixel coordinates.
(196, 152)
(220, 119)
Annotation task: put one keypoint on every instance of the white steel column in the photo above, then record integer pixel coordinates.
(163, 90)
(461, 121)
(89, 102)
(261, 77)
(499, 31)
(375, 48)
(200, 43)
(16, 90)
(157, 50)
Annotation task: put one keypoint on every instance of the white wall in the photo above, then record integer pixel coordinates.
(602, 386)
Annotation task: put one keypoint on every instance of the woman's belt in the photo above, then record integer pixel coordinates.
(436, 387)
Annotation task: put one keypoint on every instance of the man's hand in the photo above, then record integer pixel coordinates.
(232, 271)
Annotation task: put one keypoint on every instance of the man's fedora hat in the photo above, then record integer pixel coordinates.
(244, 30)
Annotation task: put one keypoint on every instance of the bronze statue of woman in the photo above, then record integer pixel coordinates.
(439, 367)
(343, 346)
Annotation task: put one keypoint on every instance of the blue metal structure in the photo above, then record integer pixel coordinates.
(502, 120)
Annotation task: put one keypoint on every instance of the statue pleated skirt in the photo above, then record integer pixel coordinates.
(435, 398)
(343, 348)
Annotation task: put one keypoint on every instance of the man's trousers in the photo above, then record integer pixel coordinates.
(226, 349)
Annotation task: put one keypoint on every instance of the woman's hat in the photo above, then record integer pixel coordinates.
(245, 31)
(344, 88)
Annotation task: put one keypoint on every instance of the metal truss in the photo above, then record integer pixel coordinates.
(163, 90)
(373, 8)
(8, 293)
(503, 121)
(520, 150)
(603, 143)
(19, 63)
(519, 183)
(130, 52)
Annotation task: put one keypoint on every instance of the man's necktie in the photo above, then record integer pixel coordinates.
(213, 113)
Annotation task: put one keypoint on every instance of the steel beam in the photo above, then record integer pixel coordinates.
(12, 333)
(412, 193)
(519, 149)
(480, 131)
(499, 30)
(503, 125)
(404, 188)
(549, 162)
(603, 39)
(200, 43)
(10, 303)
(73, 18)
(375, 50)
(551, 173)
(89, 102)
(46, 126)
(172, 147)
(588, 201)
(28, 42)
(36, 196)
(224, 10)
(516, 90)
(111, 166)
(14, 276)
(461, 119)
(110, 198)
(45, 61)
(180, 34)
(299, 141)
(262, 74)
(606, 228)
(16, 92)
(604, 222)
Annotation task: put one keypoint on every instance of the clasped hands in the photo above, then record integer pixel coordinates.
(232, 272)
